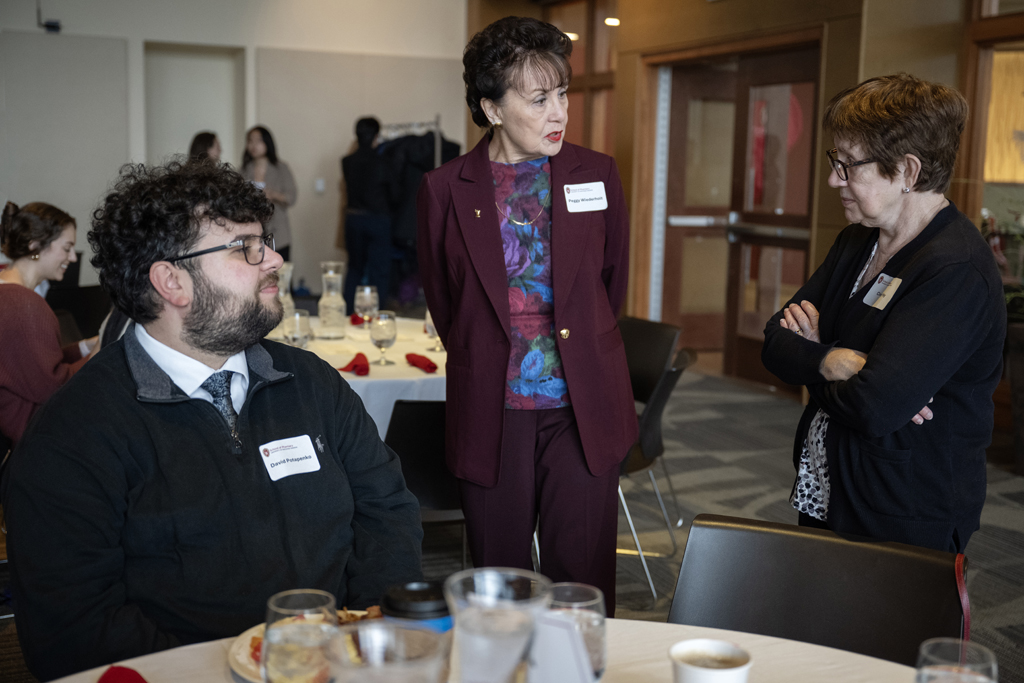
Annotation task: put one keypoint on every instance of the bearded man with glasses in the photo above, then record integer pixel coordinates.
(197, 469)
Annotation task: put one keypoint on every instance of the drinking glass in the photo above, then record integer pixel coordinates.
(377, 650)
(367, 302)
(300, 624)
(383, 332)
(583, 605)
(951, 660)
(331, 306)
(495, 610)
(296, 329)
(432, 333)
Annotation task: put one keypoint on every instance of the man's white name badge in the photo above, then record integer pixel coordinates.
(882, 291)
(585, 197)
(286, 457)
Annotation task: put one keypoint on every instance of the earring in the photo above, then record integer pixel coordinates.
(35, 257)
(906, 190)
(497, 124)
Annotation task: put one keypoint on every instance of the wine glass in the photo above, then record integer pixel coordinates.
(367, 302)
(297, 331)
(583, 606)
(383, 332)
(432, 333)
(951, 660)
(303, 604)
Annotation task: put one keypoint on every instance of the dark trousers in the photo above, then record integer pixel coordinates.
(368, 242)
(543, 474)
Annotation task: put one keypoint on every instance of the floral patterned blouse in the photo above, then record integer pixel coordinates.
(534, 379)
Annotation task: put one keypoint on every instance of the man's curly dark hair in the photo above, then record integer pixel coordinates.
(156, 213)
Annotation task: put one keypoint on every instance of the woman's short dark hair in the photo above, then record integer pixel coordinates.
(35, 222)
(366, 131)
(268, 140)
(201, 144)
(501, 56)
(153, 214)
(891, 116)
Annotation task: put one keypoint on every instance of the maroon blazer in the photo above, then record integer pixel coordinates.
(463, 269)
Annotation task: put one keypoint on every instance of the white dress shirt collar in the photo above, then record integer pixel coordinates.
(189, 374)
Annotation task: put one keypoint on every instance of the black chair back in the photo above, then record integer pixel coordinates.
(876, 598)
(416, 434)
(649, 350)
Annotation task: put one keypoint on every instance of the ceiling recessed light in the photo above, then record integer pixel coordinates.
(611, 21)
(572, 36)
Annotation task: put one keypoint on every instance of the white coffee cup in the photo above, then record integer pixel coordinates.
(704, 660)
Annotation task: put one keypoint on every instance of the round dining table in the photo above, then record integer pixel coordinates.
(385, 384)
(637, 652)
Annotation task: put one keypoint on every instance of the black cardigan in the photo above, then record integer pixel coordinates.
(941, 335)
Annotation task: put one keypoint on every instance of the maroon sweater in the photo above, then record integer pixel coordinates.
(32, 363)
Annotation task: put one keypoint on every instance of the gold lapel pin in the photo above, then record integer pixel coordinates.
(477, 212)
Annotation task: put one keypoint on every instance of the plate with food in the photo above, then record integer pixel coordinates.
(246, 650)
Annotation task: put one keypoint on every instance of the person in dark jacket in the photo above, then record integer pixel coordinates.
(898, 336)
(370, 189)
(196, 469)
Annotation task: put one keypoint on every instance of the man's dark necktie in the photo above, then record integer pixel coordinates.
(219, 386)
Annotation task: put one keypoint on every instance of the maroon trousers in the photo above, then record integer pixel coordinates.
(544, 474)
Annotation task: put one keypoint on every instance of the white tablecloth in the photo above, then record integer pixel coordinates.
(384, 385)
(637, 653)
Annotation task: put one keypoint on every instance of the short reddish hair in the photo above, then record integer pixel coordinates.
(891, 116)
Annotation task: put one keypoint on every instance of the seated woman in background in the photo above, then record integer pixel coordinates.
(261, 165)
(40, 240)
(899, 334)
(204, 145)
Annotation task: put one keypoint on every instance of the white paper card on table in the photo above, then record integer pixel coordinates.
(881, 292)
(286, 457)
(558, 654)
(585, 197)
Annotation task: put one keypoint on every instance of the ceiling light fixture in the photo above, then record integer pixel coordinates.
(572, 36)
(611, 21)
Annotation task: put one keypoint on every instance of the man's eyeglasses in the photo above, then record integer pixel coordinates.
(842, 168)
(254, 247)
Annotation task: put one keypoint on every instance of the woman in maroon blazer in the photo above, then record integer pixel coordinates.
(523, 248)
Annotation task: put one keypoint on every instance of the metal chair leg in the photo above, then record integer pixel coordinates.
(536, 548)
(664, 512)
(672, 490)
(636, 540)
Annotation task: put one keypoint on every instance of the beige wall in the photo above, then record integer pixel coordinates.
(62, 122)
(311, 101)
(428, 29)
(921, 37)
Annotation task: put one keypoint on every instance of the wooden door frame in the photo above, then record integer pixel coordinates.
(644, 146)
(980, 36)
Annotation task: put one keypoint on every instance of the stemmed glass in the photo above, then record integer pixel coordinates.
(583, 605)
(383, 332)
(367, 302)
(432, 333)
(300, 624)
(951, 660)
(377, 650)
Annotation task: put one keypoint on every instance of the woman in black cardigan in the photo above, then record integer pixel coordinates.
(898, 336)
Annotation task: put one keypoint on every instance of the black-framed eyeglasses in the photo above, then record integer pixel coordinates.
(842, 168)
(253, 246)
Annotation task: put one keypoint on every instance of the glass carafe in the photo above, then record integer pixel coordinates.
(284, 295)
(332, 306)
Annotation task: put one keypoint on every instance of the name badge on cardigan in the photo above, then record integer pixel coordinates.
(881, 292)
(585, 197)
(286, 457)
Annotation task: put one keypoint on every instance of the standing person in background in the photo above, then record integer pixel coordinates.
(40, 240)
(261, 165)
(370, 186)
(525, 284)
(204, 145)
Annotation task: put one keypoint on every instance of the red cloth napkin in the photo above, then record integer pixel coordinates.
(359, 365)
(121, 674)
(421, 362)
(355, 319)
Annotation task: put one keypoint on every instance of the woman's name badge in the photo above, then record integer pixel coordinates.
(286, 457)
(881, 292)
(585, 197)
